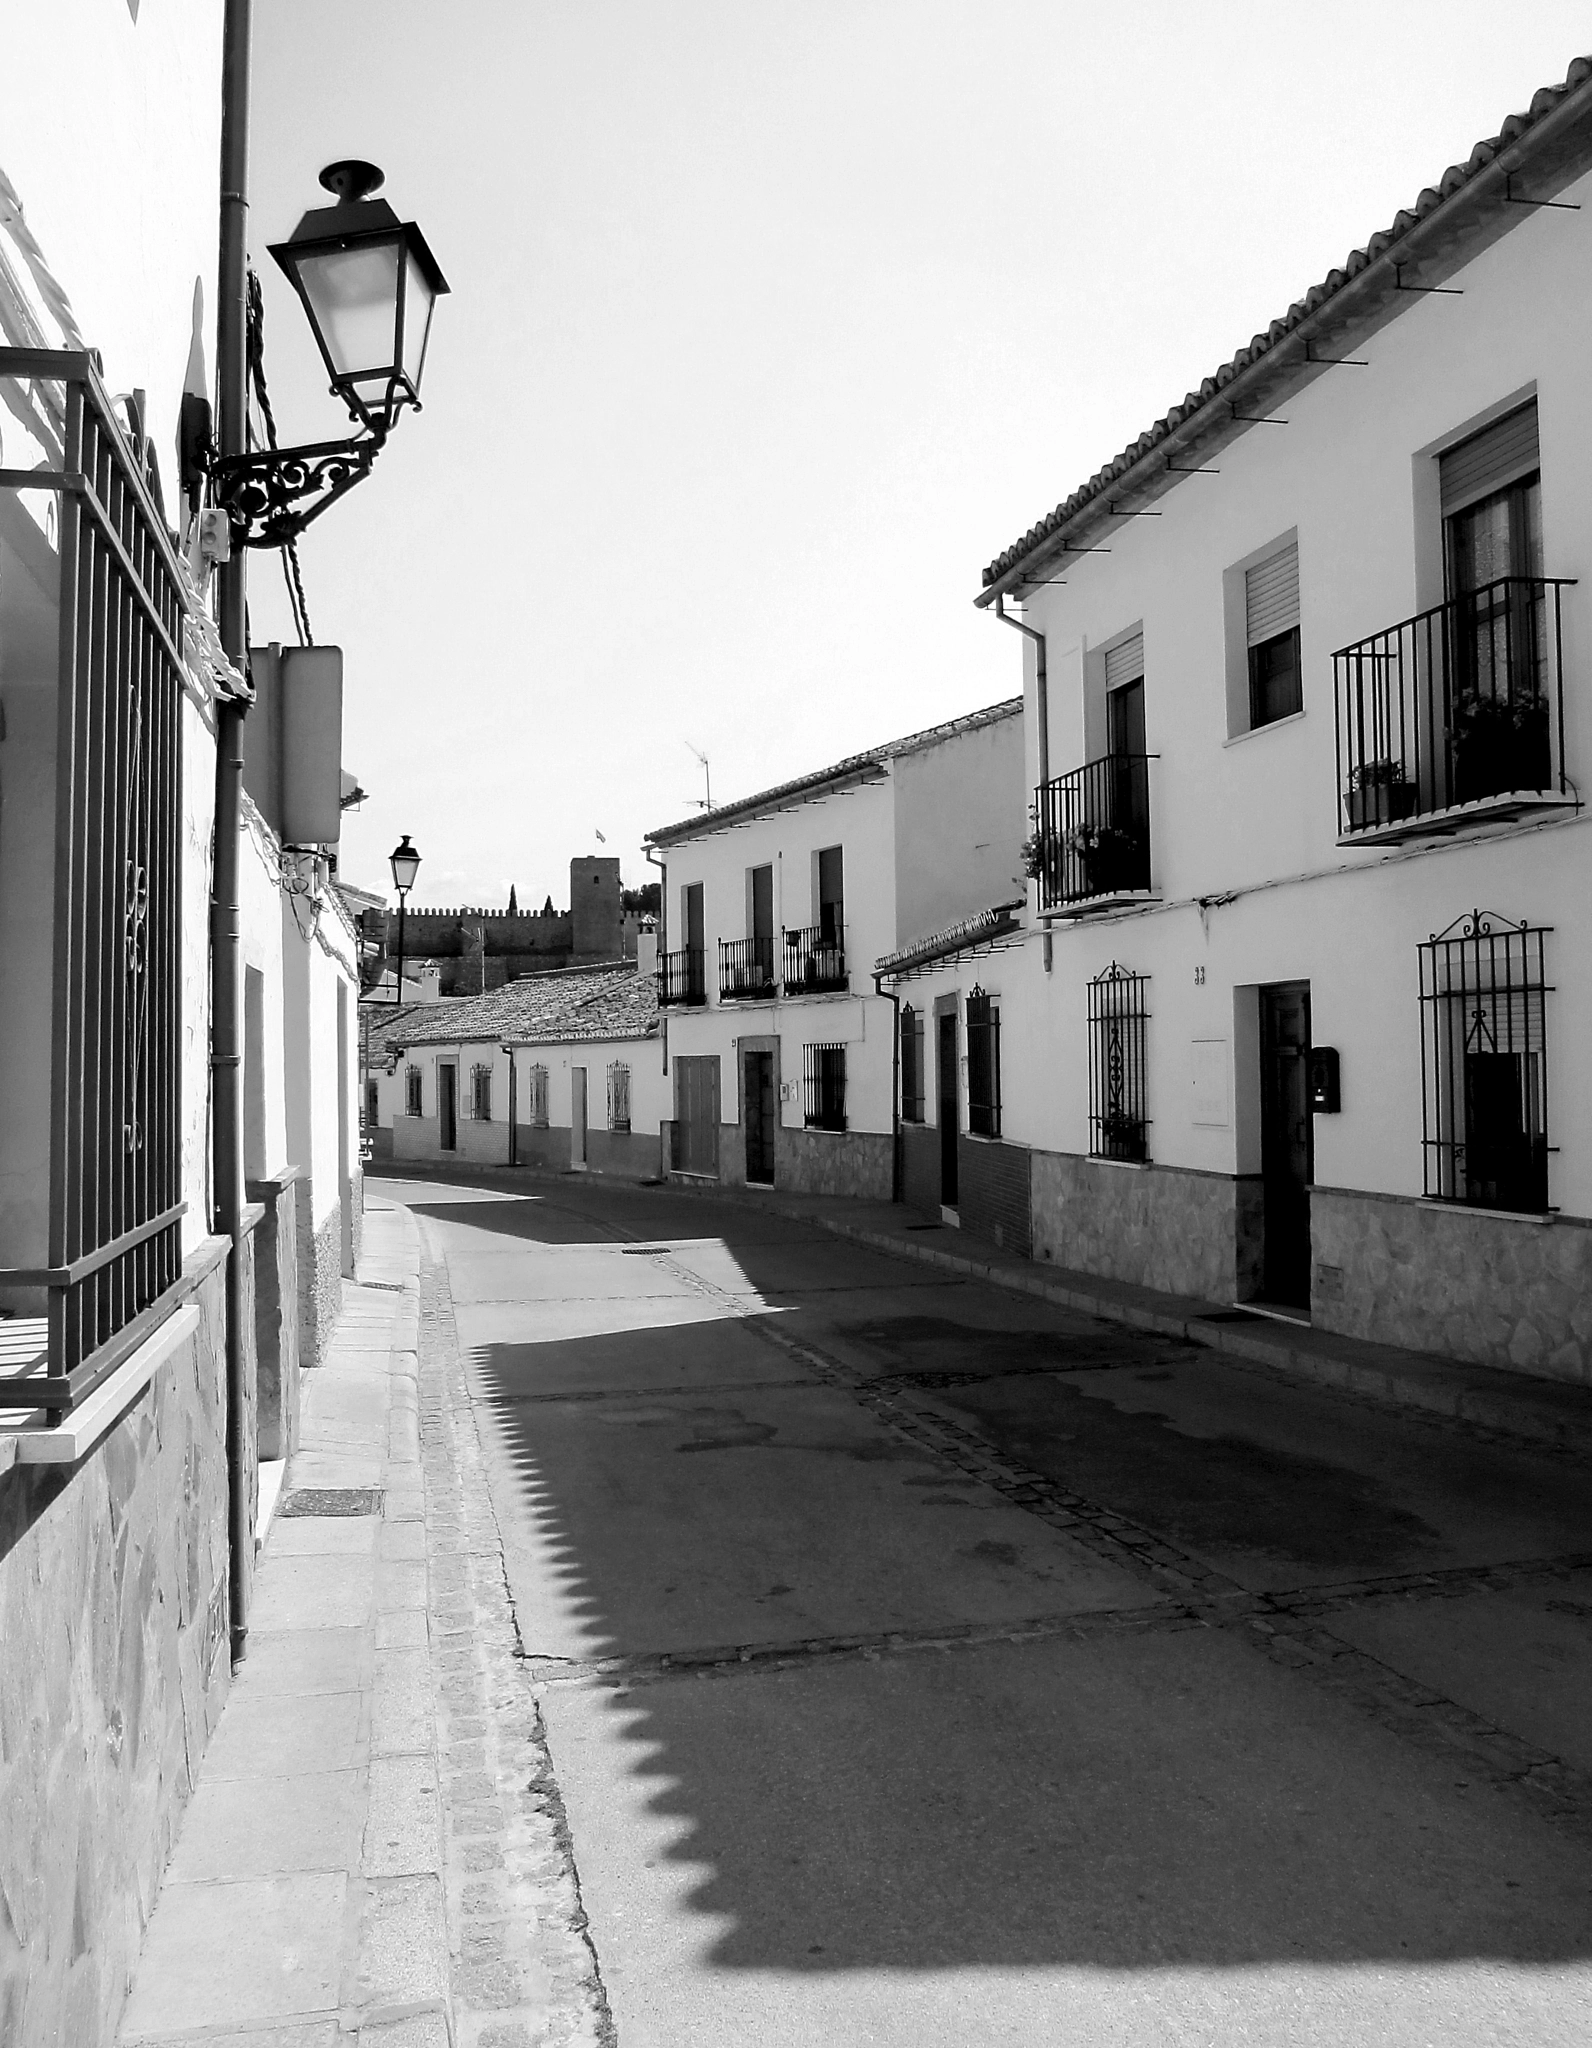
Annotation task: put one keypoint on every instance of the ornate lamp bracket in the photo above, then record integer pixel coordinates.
(272, 494)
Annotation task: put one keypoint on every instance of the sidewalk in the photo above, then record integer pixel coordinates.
(372, 1855)
(1552, 1413)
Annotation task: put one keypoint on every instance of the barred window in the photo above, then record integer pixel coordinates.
(413, 1098)
(1119, 1124)
(911, 1064)
(824, 1086)
(1484, 1067)
(619, 1096)
(983, 1064)
(536, 1081)
(481, 1093)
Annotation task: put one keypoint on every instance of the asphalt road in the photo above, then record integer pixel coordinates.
(924, 1664)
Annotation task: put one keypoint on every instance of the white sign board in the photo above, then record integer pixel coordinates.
(1210, 1070)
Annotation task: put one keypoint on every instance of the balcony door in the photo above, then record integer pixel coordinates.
(693, 941)
(760, 919)
(1498, 684)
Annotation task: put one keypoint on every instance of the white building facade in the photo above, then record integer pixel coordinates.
(780, 1049)
(1299, 1012)
(562, 1071)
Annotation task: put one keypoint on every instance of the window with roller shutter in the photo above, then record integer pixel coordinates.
(1271, 618)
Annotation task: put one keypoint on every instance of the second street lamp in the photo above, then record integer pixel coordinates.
(405, 864)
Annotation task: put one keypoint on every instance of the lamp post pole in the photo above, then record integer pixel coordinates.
(404, 861)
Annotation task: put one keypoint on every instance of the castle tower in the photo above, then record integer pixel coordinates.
(594, 905)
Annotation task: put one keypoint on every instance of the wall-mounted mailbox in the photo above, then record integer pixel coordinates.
(1324, 1097)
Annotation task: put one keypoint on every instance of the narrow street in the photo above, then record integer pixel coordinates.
(921, 1662)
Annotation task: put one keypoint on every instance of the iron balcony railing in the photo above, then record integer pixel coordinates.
(1460, 705)
(1093, 832)
(746, 970)
(815, 962)
(112, 1242)
(682, 976)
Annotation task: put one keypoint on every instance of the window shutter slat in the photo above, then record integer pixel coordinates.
(1271, 595)
(1125, 662)
(1500, 454)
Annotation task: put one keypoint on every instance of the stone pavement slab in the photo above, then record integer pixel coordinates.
(362, 1864)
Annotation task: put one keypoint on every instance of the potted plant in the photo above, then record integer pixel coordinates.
(1499, 744)
(1123, 1136)
(1106, 854)
(1380, 793)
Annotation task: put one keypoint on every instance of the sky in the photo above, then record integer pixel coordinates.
(772, 322)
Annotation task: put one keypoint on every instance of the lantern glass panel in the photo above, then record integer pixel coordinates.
(418, 302)
(353, 300)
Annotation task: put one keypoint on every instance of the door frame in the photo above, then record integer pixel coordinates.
(1265, 995)
(448, 1106)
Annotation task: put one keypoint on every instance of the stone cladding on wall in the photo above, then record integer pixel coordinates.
(276, 1313)
(857, 1163)
(114, 1669)
(994, 1191)
(1166, 1227)
(320, 1275)
(1496, 1290)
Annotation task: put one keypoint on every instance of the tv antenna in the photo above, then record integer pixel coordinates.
(705, 802)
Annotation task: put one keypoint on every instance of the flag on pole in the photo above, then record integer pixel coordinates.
(601, 841)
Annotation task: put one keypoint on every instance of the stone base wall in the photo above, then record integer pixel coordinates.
(857, 1163)
(993, 1184)
(276, 1313)
(543, 1145)
(1495, 1290)
(114, 1669)
(320, 1275)
(629, 1155)
(356, 1196)
(378, 1139)
(1186, 1233)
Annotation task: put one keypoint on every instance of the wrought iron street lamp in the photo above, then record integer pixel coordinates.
(405, 864)
(369, 284)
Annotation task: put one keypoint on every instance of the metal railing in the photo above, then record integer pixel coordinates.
(115, 1200)
(1093, 832)
(682, 976)
(815, 962)
(1458, 705)
(746, 970)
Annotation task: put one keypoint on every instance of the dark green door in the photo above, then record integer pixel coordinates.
(757, 1083)
(1286, 1135)
(946, 1030)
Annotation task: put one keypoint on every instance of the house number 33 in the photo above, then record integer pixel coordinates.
(1199, 977)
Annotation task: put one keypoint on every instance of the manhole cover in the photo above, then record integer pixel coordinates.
(334, 1500)
(386, 1286)
(644, 1251)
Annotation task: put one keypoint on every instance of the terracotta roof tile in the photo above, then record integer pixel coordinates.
(1453, 182)
(574, 1004)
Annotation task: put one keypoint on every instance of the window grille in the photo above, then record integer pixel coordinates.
(824, 1086)
(113, 1241)
(413, 1098)
(1484, 1066)
(619, 1096)
(481, 1094)
(983, 1064)
(536, 1081)
(911, 1064)
(1119, 1124)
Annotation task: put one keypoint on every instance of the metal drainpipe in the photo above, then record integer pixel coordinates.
(1041, 713)
(894, 1000)
(225, 954)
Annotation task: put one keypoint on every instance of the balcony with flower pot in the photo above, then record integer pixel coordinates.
(1090, 849)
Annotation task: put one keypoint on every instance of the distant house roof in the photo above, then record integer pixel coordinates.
(978, 930)
(608, 1000)
(823, 781)
(1470, 205)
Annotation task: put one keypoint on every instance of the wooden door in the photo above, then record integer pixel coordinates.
(696, 1115)
(945, 1031)
(447, 1106)
(1286, 1140)
(757, 1086)
(577, 1116)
